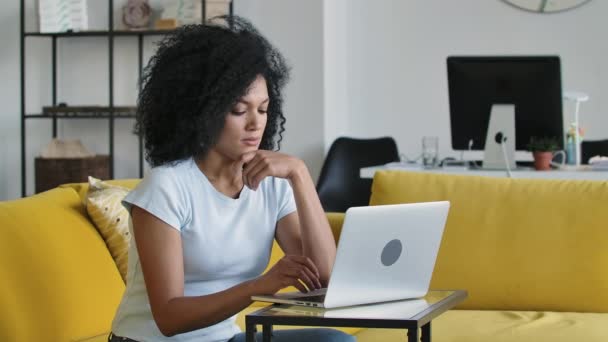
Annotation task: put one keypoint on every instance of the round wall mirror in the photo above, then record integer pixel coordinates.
(546, 6)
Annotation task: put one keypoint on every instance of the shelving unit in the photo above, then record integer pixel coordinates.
(112, 112)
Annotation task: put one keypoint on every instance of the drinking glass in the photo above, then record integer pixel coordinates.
(430, 151)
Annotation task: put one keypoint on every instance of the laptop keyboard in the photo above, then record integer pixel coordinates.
(315, 299)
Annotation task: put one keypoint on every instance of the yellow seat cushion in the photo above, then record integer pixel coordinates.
(515, 244)
(504, 326)
(111, 218)
(58, 280)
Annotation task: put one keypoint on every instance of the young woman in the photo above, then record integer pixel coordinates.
(205, 217)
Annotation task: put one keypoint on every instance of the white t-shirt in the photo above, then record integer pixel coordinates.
(225, 242)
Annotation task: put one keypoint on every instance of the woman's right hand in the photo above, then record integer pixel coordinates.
(291, 270)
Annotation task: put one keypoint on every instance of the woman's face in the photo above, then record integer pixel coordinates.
(245, 123)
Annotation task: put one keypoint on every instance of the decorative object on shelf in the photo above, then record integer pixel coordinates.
(52, 172)
(186, 12)
(58, 148)
(62, 15)
(68, 161)
(214, 8)
(577, 97)
(183, 11)
(544, 150)
(165, 24)
(63, 110)
(546, 6)
(136, 14)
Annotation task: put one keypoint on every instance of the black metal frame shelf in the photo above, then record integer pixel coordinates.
(110, 114)
(99, 33)
(88, 111)
(78, 116)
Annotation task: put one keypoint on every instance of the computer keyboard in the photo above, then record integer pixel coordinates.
(315, 299)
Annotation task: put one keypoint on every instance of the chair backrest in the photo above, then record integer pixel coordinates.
(340, 186)
(592, 148)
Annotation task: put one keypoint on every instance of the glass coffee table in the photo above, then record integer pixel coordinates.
(404, 314)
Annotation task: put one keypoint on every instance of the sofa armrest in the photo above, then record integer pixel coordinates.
(335, 222)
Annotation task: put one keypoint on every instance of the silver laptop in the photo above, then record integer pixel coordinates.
(385, 253)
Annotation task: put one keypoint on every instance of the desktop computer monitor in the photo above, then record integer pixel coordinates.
(530, 84)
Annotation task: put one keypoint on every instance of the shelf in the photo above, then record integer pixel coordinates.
(101, 116)
(101, 33)
(61, 111)
(84, 112)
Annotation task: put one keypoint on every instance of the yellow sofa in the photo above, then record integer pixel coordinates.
(532, 254)
(58, 281)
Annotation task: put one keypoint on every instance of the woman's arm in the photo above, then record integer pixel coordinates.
(160, 252)
(307, 232)
(161, 257)
(308, 228)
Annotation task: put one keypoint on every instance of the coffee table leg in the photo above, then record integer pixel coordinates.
(426, 332)
(250, 331)
(266, 332)
(412, 335)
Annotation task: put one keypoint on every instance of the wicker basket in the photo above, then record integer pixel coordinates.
(51, 172)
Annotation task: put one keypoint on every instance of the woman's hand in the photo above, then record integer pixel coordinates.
(261, 164)
(291, 270)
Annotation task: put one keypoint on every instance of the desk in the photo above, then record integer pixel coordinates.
(582, 174)
(404, 314)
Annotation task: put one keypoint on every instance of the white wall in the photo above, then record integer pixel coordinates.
(360, 68)
(335, 68)
(397, 83)
(9, 100)
(296, 27)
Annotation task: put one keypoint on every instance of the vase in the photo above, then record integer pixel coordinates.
(542, 160)
(570, 152)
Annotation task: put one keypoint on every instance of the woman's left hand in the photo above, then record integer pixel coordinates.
(262, 163)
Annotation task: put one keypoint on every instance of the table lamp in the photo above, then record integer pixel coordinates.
(577, 97)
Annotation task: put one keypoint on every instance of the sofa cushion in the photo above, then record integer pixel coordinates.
(111, 218)
(515, 244)
(83, 188)
(504, 326)
(59, 281)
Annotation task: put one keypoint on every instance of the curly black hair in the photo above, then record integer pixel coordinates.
(197, 75)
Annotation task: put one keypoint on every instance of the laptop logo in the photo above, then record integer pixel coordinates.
(391, 252)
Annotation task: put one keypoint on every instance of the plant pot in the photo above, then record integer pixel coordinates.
(542, 160)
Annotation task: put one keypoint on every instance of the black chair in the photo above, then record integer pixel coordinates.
(340, 186)
(592, 148)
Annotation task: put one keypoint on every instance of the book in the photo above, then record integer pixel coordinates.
(62, 15)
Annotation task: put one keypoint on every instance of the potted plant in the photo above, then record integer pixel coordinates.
(542, 149)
